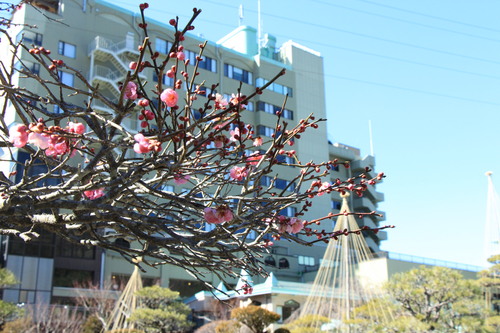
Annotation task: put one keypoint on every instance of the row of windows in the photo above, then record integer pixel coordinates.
(29, 38)
(306, 261)
(238, 74)
(164, 46)
(265, 130)
(279, 183)
(276, 87)
(283, 262)
(272, 109)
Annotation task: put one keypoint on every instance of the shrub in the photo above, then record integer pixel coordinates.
(92, 325)
(255, 317)
(228, 326)
(282, 330)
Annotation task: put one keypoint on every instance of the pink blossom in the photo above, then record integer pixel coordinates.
(181, 56)
(219, 141)
(235, 134)
(144, 145)
(218, 215)
(130, 91)
(180, 179)
(132, 65)
(41, 140)
(143, 102)
(323, 188)
(57, 146)
(237, 99)
(220, 101)
(94, 194)
(238, 173)
(77, 128)
(295, 225)
(291, 225)
(169, 97)
(18, 135)
(257, 142)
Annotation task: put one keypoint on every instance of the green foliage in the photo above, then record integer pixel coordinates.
(7, 278)
(374, 315)
(126, 330)
(8, 311)
(307, 324)
(161, 312)
(254, 317)
(492, 324)
(156, 297)
(208, 327)
(228, 326)
(92, 325)
(424, 299)
(18, 325)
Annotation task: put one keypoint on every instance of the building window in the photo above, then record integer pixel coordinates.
(276, 87)
(43, 246)
(186, 288)
(279, 183)
(28, 66)
(272, 109)
(167, 81)
(119, 281)
(29, 37)
(265, 131)
(289, 308)
(205, 63)
(163, 46)
(306, 261)
(269, 261)
(67, 49)
(66, 78)
(71, 250)
(71, 277)
(283, 263)
(289, 211)
(285, 159)
(336, 205)
(237, 73)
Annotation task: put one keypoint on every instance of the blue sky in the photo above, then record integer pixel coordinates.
(427, 75)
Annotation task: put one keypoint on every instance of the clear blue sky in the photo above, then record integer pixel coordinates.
(427, 75)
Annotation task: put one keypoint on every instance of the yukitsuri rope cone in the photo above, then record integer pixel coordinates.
(337, 288)
(126, 303)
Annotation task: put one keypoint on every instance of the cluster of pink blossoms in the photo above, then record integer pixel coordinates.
(238, 173)
(130, 91)
(292, 225)
(218, 215)
(45, 138)
(144, 145)
(94, 194)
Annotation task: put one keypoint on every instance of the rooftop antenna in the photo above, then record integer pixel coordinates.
(240, 12)
(372, 153)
